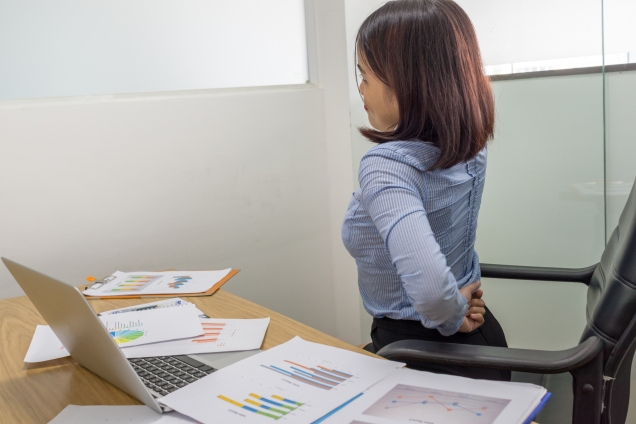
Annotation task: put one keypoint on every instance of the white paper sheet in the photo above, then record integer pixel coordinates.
(174, 282)
(221, 335)
(165, 303)
(129, 414)
(155, 325)
(45, 346)
(418, 396)
(296, 382)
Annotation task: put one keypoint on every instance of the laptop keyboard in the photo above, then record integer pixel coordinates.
(165, 374)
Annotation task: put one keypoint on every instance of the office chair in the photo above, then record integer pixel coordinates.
(600, 365)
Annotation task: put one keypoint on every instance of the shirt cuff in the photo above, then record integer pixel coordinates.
(452, 326)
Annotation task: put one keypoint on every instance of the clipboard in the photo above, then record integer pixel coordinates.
(209, 292)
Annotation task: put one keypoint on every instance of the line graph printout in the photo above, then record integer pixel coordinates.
(226, 396)
(219, 335)
(412, 403)
(410, 396)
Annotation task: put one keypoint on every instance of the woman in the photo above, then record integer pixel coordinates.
(411, 226)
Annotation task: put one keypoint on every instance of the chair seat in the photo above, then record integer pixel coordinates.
(559, 409)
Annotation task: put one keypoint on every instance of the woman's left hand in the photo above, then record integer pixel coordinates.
(471, 323)
(475, 315)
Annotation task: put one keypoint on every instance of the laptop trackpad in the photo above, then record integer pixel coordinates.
(223, 359)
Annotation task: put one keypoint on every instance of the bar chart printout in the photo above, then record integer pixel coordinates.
(134, 283)
(218, 333)
(412, 404)
(317, 376)
(179, 281)
(273, 406)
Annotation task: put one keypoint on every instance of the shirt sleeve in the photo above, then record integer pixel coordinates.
(390, 195)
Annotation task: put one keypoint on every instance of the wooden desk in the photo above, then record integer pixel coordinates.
(36, 393)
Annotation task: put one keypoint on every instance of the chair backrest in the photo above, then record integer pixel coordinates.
(611, 310)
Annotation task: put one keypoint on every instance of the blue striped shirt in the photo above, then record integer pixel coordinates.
(412, 233)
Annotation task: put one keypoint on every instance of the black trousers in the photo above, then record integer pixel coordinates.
(387, 330)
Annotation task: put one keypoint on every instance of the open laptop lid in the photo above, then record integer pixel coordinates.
(79, 329)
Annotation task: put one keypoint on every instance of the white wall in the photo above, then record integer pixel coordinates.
(201, 181)
(333, 75)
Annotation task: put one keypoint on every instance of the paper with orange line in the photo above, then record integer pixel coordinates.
(295, 382)
(220, 335)
(410, 396)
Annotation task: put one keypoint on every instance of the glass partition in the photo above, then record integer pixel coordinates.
(543, 203)
(620, 126)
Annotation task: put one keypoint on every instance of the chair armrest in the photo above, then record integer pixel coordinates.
(577, 275)
(414, 352)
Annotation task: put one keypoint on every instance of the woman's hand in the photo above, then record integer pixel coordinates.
(476, 307)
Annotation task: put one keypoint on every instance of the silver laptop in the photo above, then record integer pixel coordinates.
(83, 334)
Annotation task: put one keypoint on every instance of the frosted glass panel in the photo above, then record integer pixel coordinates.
(619, 29)
(523, 31)
(620, 98)
(69, 48)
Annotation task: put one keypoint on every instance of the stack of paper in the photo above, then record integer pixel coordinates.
(167, 327)
(304, 382)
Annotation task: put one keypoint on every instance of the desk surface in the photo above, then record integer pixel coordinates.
(36, 393)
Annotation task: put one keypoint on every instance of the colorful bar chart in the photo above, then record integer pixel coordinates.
(179, 281)
(135, 283)
(275, 408)
(319, 376)
(211, 332)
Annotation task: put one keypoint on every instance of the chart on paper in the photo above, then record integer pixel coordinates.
(273, 406)
(412, 403)
(134, 283)
(255, 400)
(217, 333)
(125, 331)
(179, 281)
(317, 375)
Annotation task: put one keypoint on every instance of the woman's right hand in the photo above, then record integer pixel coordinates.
(476, 307)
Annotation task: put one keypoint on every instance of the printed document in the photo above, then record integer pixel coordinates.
(410, 396)
(45, 346)
(295, 382)
(131, 328)
(144, 283)
(220, 335)
(128, 414)
(155, 325)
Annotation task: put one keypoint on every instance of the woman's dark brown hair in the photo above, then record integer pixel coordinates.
(426, 52)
